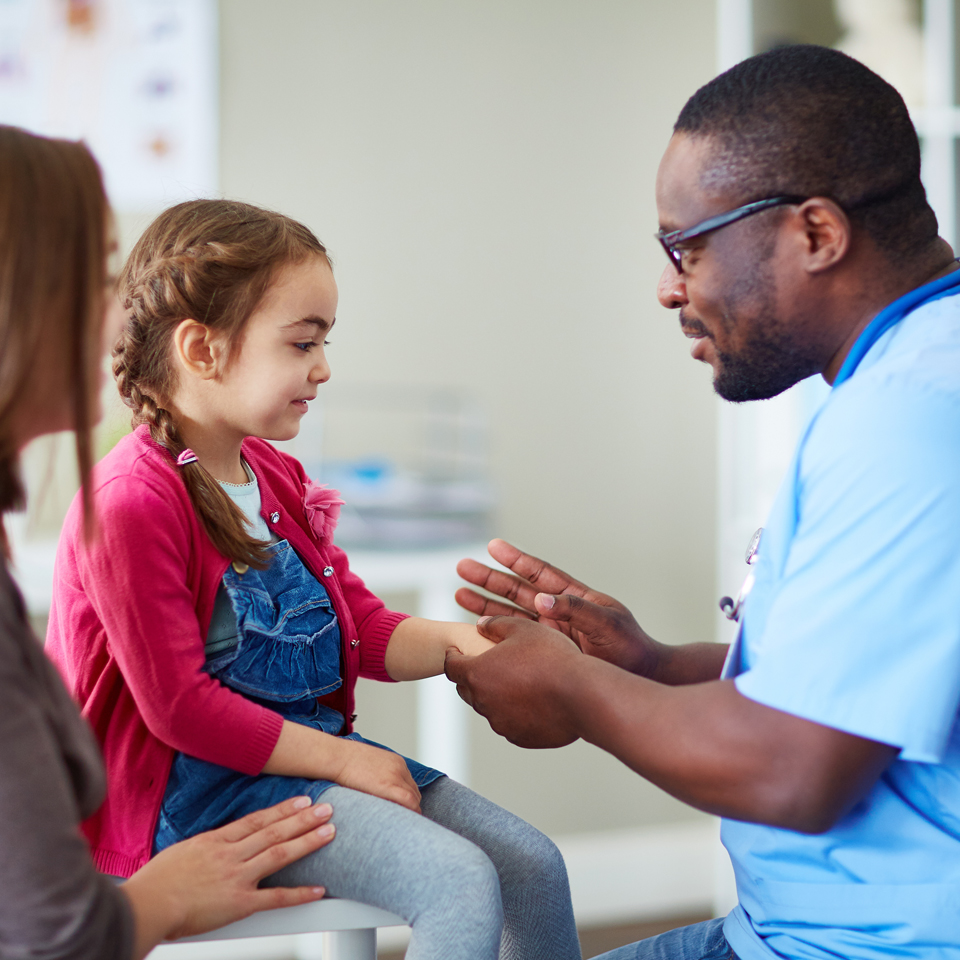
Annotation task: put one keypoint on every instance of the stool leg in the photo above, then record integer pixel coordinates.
(350, 945)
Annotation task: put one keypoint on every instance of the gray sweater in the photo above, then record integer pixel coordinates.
(53, 903)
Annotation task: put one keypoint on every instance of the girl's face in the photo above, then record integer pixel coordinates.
(275, 372)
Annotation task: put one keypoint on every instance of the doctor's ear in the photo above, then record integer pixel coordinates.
(198, 349)
(823, 230)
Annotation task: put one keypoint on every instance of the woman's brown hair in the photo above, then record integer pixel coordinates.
(53, 238)
(211, 261)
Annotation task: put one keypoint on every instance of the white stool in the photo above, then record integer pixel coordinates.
(349, 928)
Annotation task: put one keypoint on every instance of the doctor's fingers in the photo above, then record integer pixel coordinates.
(517, 589)
(582, 614)
(536, 572)
(502, 584)
(486, 607)
(584, 620)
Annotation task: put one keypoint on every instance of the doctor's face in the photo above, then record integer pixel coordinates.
(726, 290)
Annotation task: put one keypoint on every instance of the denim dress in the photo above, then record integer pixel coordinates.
(275, 639)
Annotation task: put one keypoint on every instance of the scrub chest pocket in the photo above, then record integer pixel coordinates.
(274, 637)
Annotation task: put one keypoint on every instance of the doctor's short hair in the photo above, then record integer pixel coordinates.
(812, 121)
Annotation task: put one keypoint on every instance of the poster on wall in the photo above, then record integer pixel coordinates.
(135, 79)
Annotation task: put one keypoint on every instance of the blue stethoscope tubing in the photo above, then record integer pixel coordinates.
(891, 315)
(888, 317)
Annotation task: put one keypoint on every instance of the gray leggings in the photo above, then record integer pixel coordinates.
(472, 880)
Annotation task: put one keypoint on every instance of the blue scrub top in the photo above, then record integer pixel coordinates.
(854, 622)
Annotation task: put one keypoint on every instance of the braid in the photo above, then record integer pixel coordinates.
(222, 518)
(209, 260)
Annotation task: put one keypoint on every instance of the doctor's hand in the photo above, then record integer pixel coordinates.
(599, 625)
(519, 684)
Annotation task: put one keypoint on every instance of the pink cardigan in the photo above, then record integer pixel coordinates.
(127, 624)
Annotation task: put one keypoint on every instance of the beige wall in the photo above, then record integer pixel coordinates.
(482, 172)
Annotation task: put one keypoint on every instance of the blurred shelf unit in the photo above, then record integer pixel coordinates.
(410, 463)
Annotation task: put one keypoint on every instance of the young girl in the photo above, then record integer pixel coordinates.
(213, 634)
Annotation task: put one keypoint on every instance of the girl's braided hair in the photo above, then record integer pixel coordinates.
(210, 261)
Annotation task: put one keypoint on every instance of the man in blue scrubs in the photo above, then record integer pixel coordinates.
(800, 242)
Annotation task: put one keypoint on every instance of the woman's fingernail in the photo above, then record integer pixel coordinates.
(546, 601)
(323, 810)
(327, 830)
(301, 802)
(483, 620)
(319, 891)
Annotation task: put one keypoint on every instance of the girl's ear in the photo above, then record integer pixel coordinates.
(198, 349)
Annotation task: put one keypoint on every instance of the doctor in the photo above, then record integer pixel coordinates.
(800, 242)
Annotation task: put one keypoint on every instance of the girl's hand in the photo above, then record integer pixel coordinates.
(211, 880)
(377, 772)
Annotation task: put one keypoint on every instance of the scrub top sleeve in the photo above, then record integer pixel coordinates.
(864, 632)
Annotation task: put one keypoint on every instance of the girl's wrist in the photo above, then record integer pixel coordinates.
(336, 759)
(466, 638)
(303, 751)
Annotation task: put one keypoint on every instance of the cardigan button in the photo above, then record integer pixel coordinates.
(328, 571)
(274, 517)
(354, 644)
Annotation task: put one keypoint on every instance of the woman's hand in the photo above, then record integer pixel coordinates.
(378, 772)
(211, 880)
(598, 624)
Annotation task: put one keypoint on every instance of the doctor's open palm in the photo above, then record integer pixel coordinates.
(601, 626)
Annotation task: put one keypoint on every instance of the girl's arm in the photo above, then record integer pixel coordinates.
(417, 647)
(392, 645)
(304, 752)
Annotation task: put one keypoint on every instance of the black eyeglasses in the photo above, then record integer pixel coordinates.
(672, 239)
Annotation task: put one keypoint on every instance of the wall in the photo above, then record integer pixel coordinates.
(483, 174)
(777, 22)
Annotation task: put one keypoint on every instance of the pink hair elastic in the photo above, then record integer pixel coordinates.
(188, 456)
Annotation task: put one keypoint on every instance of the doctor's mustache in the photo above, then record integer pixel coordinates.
(693, 328)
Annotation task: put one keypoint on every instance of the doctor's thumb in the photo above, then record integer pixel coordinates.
(498, 628)
(454, 663)
(564, 606)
